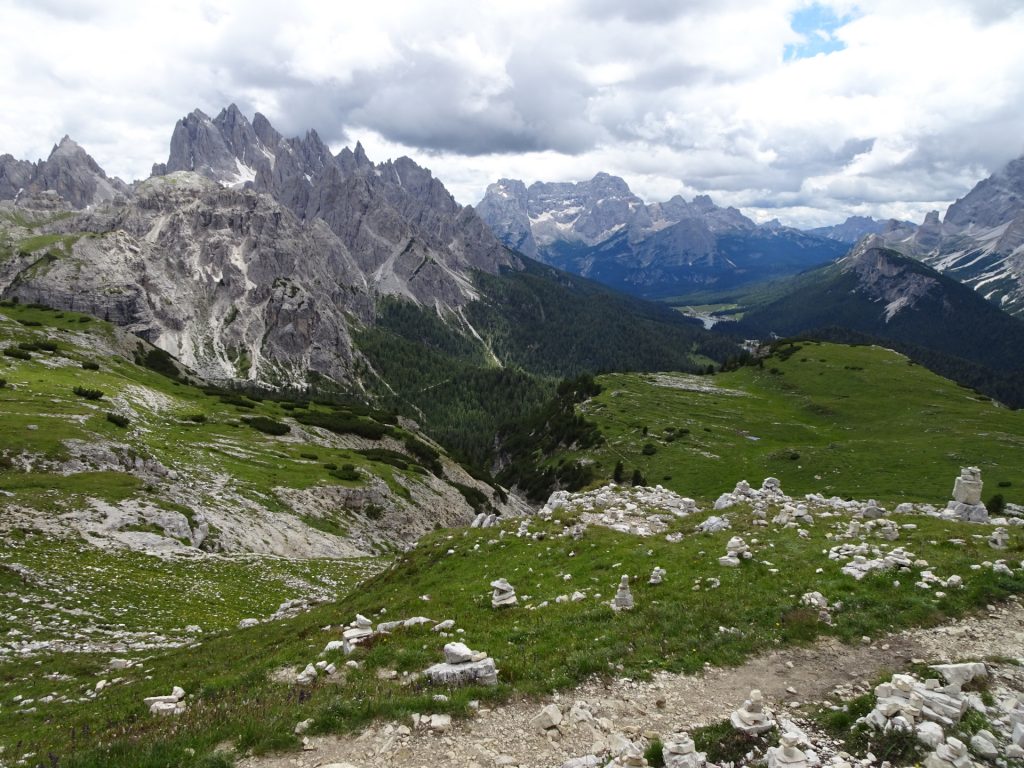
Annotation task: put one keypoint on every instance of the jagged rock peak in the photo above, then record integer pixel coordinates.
(993, 201)
(69, 171)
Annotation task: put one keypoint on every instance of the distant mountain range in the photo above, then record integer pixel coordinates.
(856, 227)
(601, 230)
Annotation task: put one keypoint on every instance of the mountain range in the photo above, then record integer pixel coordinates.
(266, 261)
(601, 230)
(980, 239)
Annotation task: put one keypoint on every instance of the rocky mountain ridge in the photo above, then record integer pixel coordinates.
(68, 171)
(980, 239)
(247, 255)
(600, 229)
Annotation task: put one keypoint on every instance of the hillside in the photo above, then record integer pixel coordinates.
(859, 422)
(190, 468)
(101, 561)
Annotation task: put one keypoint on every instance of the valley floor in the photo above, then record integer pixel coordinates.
(671, 702)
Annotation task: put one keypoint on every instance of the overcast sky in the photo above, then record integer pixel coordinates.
(803, 111)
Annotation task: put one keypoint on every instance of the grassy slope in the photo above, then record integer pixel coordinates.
(39, 393)
(862, 422)
(536, 651)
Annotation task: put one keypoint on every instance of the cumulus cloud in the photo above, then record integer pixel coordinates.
(902, 111)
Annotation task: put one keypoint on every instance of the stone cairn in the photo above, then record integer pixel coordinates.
(463, 666)
(631, 755)
(923, 708)
(657, 575)
(818, 602)
(623, 597)
(966, 504)
(752, 718)
(999, 539)
(358, 630)
(952, 754)
(504, 594)
(735, 549)
(167, 705)
(679, 751)
(787, 754)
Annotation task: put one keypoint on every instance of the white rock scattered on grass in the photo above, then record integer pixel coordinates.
(999, 539)
(173, 704)
(714, 524)
(623, 600)
(657, 575)
(247, 623)
(736, 549)
(752, 718)
(504, 594)
(307, 676)
(463, 666)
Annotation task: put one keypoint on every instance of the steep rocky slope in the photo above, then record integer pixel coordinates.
(188, 470)
(980, 240)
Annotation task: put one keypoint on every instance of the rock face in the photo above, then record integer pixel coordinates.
(248, 255)
(406, 231)
(69, 172)
(600, 229)
(980, 239)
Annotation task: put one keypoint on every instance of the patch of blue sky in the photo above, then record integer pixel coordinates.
(817, 25)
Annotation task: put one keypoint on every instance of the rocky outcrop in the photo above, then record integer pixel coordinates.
(228, 281)
(408, 234)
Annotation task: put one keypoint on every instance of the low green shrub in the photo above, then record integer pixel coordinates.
(118, 419)
(310, 456)
(347, 472)
(330, 466)
(343, 423)
(90, 365)
(88, 394)
(198, 418)
(3, 383)
(18, 354)
(268, 426)
(239, 401)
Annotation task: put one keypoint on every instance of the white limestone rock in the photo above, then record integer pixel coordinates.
(753, 718)
(623, 600)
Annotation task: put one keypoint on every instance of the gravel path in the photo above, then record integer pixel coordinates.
(668, 702)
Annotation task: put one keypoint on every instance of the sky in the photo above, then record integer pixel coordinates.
(803, 111)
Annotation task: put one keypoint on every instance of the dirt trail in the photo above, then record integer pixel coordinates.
(668, 702)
